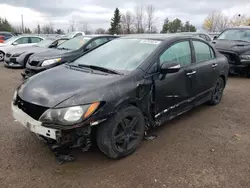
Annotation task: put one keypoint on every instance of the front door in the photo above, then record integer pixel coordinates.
(172, 93)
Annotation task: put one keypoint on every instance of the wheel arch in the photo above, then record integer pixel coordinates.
(224, 78)
(25, 60)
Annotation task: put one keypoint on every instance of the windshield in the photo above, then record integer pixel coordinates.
(11, 40)
(120, 54)
(235, 34)
(45, 43)
(74, 44)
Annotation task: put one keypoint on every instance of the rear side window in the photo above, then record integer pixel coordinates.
(179, 52)
(78, 34)
(203, 52)
(35, 39)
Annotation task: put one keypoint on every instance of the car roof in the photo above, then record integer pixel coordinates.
(162, 37)
(93, 36)
(30, 36)
(239, 27)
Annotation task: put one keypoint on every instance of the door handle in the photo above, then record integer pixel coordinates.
(191, 73)
(214, 65)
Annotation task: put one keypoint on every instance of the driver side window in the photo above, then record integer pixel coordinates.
(179, 52)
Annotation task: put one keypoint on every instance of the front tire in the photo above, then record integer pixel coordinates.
(121, 134)
(1, 56)
(218, 92)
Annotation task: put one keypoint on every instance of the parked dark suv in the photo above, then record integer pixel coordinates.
(121, 89)
(65, 52)
(234, 43)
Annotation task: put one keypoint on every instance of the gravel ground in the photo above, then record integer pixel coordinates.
(207, 147)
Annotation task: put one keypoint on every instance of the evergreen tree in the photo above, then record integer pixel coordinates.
(38, 29)
(165, 27)
(5, 25)
(116, 23)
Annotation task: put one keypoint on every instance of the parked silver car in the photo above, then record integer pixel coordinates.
(13, 42)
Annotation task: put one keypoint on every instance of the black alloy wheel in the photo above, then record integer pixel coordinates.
(218, 92)
(121, 134)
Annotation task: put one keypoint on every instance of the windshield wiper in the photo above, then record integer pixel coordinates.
(103, 69)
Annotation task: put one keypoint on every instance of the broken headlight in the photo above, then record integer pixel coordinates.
(69, 115)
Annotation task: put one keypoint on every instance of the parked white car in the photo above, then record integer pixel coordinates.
(74, 34)
(17, 41)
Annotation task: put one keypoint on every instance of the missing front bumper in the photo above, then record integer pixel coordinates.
(33, 125)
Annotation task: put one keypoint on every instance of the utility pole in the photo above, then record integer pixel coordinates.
(22, 23)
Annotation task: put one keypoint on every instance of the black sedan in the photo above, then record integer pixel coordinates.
(18, 56)
(234, 43)
(120, 90)
(65, 52)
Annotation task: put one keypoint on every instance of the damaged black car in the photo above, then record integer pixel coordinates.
(234, 43)
(117, 92)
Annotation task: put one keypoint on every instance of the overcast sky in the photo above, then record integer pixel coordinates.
(97, 13)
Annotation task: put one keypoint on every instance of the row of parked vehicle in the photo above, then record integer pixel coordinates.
(113, 89)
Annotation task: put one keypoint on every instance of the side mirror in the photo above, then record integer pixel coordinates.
(14, 43)
(170, 67)
(86, 49)
(53, 46)
(215, 37)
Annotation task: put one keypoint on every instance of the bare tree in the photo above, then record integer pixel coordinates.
(47, 29)
(150, 11)
(100, 31)
(139, 18)
(71, 25)
(83, 26)
(127, 22)
(238, 20)
(216, 21)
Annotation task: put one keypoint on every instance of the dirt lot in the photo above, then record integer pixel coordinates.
(207, 147)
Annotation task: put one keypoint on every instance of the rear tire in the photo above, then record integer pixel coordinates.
(121, 134)
(217, 92)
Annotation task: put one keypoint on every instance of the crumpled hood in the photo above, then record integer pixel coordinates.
(50, 54)
(231, 45)
(54, 86)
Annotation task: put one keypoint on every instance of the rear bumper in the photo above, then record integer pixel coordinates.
(33, 125)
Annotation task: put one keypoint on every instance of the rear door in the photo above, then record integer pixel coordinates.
(207, 70)
(34, 40)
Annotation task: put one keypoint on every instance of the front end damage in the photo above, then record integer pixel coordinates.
(60, 140)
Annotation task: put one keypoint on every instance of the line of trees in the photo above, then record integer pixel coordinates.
(143, 20)
(218, 21)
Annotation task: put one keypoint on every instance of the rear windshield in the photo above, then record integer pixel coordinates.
(74, 43)
(45, 43)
